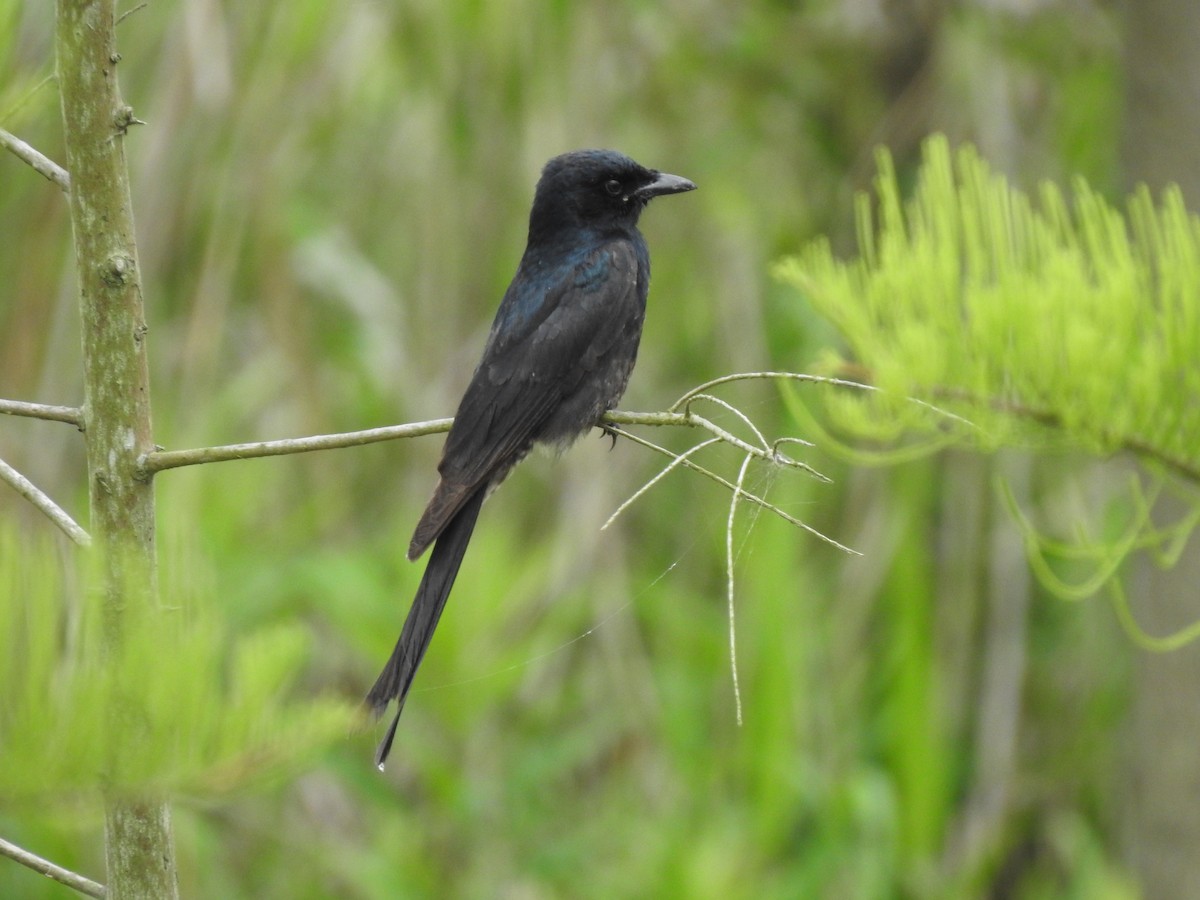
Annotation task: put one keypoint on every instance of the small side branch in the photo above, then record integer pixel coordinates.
(681, 459)
(158, 460)
(1132, 443)
(40, 163)
(38, 498)
(69, 414)
(129, 12)
(729, 593)
(695, 392)
(85, 886)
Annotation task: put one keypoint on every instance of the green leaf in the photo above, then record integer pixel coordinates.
(175, 703)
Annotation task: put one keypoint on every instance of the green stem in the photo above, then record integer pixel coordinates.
(139, 849)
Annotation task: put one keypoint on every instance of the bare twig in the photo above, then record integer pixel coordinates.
(765, 376)
(681, 459)
(678, 460)
(158, 460)
(697, 391)
(737, 412)
(69, 414)
(767, 452)
(41, 164)
(733, 504)
(129, 12)
(10, 113)
(38, 498)
(85, 886)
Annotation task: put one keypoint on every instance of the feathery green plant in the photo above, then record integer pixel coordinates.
(1036, 319)
(1041, 322)
(211, 719)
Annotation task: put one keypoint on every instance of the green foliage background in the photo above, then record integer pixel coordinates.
(330, 199)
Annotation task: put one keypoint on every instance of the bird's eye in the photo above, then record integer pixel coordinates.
(613, 187)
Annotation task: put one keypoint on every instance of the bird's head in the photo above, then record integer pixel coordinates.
(597, 189)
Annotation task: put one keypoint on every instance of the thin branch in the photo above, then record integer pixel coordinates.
(85, 886)
(729, 485)
(655, 419)
(768, 376)
(38, 498)
(678, 460)
(767, 453)
(737, 412)
(1133, 443)
(41, 164)
(129, 12)
(697, 391)
(688, 419)
(733, 504)
(158, 460)
(10, 113)
(72, 415)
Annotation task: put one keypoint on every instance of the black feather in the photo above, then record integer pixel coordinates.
(559, 355)
(396, 678)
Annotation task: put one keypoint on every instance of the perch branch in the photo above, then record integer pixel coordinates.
(69, 414)
(158, 460)
(41, 164)
(38, 498)
(85, 886)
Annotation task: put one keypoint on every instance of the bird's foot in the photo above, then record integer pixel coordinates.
(609, 431)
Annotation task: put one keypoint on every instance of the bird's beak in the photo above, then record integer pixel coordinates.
(665, 184)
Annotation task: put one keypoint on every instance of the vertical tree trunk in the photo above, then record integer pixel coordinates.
(1162, 815)
(139, 851)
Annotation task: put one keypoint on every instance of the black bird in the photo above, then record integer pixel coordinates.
(558, 357)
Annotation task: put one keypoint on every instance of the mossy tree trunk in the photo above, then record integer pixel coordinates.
(139, 851)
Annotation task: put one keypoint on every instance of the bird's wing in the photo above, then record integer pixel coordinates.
(549, 333)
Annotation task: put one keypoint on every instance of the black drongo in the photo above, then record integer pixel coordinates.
(558, 357)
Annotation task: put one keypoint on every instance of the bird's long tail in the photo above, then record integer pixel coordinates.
(396, 678)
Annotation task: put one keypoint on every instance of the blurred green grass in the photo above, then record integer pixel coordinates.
(330, 200)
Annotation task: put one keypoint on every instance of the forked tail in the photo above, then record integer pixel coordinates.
(396, 678)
